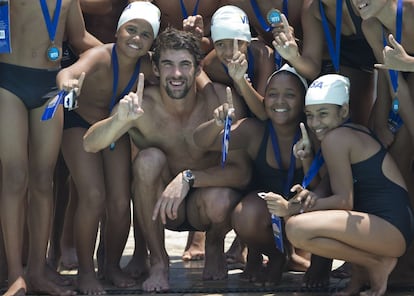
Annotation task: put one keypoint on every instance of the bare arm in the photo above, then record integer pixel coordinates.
(98, 7)
(308, 62)
(76, 32)
(126, 114)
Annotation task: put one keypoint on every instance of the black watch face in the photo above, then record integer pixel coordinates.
(188, 174)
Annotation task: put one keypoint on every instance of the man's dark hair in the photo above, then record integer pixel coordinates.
(172, 38)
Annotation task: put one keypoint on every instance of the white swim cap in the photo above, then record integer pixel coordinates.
(141, 10)
(230, 22)
(328, 89)
(292, 70)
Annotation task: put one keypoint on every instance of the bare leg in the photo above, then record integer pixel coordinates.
(87, 172)
(118, 218)
(237, 253)
(44, 148)
(138, 266)
(194, 250)
(69, 258)
(401, 150)
(326, 235)
(150, 172)
(61, 197)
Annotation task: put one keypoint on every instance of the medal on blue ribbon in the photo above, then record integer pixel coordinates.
(53, 52)
(226, 139)
(394, 119)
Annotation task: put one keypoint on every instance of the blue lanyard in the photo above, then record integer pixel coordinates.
(116, 78)
(398, 21)
(316, 164)
(184, 10)
(261, 19)
(334, 51)
(51, 24)
(276, 150)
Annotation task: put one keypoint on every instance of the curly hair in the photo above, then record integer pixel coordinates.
(172, 38)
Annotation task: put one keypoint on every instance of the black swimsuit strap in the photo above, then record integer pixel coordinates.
(355, 18)
(369, 133)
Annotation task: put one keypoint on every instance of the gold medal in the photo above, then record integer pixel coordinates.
(274, 16)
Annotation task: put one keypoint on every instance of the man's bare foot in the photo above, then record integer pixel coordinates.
(194, 249)
(378, 276)
(69, 259)
(38, 284)
(88, 284)
(157, 280)
(118, 278)
(137, 267)
(237, 253)
(317, 275)
(215, 265)
(18, 288)
(342, 272)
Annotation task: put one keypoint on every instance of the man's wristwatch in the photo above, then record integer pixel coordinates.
(189, 177)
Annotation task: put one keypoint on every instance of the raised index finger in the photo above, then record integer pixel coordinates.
(140, 88)
(304, 132)
(229, 96)
(235, 46)
(285, 24)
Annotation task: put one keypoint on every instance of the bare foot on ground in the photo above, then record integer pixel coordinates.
(215, 265)
(88, 284)
(378, 276)
(157, 280)
(358, 280)
(194, 250)
(119, 279)
(137, 267)
(41, 285)
(318, 273)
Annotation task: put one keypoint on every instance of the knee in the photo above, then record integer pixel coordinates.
(16, 177)
(92, 199)
(220, 203)
(296, 232)
(41, 180)
(257, 215)
(148, 163)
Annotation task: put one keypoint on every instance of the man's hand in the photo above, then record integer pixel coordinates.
(171, 198)
(284, 40)
(303, 148)
(194, 24)
(225, 109)
(74, 84)
(130, 106)
(238, 65)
